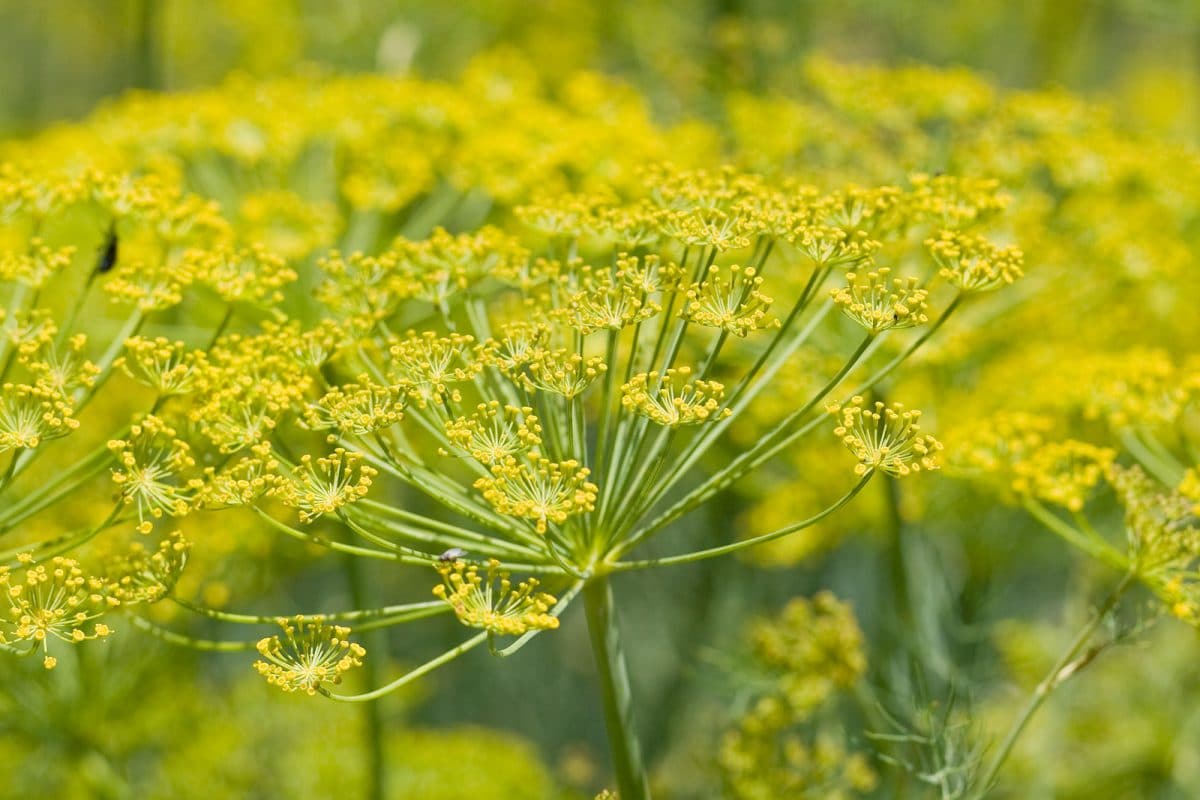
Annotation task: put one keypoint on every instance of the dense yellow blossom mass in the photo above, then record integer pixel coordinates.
(504, 326)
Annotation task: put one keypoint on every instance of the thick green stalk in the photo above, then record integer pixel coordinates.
(615, 691)
(371, 716)
(148, 30)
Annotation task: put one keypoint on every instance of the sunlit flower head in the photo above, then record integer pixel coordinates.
(247, 275)
(540, 490)
(561, 372)
(974, 264)
(356, 408)
(141, 576)
(878, 302)
(241, 480)
(1062, 473)
(61, 369)
(495, 434)
(54, 600)
(729, 299)
(30, 415)
(321, 486)
(829, 246)
(150, 469)
(308, 656)
(429, 365)
(165, 366)
(673, 398)
(885, 438)
(491, 601)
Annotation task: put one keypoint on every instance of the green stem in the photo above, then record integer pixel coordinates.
(372, 719)
(748, 388)
(889, 367)
(133, 324)
(1094, 547)
(398, 613)
(32, 503)
(615, 691)
(1160, 464)
(187, 641)
(750, 459)
(435, 532)
(226, 318)
(769, 445)
(409, 677)
(556, 612)
(713, 552)
(452, 497)
(46, 550)
(145, 57)
(1057, 674)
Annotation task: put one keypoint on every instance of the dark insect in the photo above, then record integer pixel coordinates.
(108, 256)
(453, 554)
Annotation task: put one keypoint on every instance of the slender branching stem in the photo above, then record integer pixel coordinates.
(412, 675)
(750, 458)
(1060, 672)
(173, 637)
(398, 613)
(1092, 545)
(713, 552)
(556, 612)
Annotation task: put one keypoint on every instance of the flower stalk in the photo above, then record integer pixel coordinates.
(615, 691)
(1058, 674)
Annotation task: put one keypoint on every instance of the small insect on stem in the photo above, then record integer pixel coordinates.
(453, 554)
(108, 256)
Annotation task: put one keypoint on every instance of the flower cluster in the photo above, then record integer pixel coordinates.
(974, 264)
(308, 656)
(138, 576)
(879, 304)
(30, 416)
(491, 601)
(539, 490)
(729, 299)
(1062, 473)
(356, 408)
(494, 435)
(809, 653)
(165, 366)
(671, 399)
(885, 438)
(54, 600)
(150, 471)
(1163, 539)
(498, 303)
(319, 486)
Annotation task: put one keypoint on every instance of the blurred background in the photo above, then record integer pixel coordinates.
(62, 57)
(484, 729)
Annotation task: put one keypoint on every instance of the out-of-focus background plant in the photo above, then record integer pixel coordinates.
(1049, 568)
